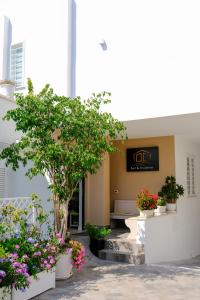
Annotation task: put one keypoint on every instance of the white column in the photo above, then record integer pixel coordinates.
(5, 46)
(80, 221)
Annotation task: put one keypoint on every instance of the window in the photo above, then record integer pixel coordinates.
(191, 186)
(2, 182)
(17, 65)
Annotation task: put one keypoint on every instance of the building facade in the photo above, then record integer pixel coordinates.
(147, 55)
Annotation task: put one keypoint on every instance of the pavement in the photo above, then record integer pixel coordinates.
(103, 280)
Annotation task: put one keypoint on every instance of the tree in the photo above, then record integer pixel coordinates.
(64, 138)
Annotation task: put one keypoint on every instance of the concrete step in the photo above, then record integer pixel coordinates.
(123, 245)
(122, 256)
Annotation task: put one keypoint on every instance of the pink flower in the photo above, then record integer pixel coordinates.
(52, 261)
(48, 266)
(19, 271)
(37, 253)
(17, 246)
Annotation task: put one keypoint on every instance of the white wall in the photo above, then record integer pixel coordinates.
(21, 186)
(42, 25)
(152, 63)
(176, 237)
(17, 185)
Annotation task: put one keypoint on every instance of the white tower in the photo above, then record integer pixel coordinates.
(6, 86)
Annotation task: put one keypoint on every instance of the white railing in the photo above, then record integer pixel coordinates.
(19, 202)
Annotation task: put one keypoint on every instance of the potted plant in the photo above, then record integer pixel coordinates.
(69, 254)
(161, 206)
(146, 203)
(171, 191)
(97, 236)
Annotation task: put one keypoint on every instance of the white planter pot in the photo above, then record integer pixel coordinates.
(160, 210)
(147, 213)
(45, 281)
(171, 207)
(4, 296)
(64, 266)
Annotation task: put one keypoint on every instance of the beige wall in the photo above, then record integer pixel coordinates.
(97, 195)
(129, 184)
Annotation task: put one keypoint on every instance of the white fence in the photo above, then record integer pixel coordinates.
(19, 202)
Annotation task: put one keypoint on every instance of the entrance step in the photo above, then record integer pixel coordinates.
(122, 256)
(124, 245)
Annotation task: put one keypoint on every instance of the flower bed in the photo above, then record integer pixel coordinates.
(27, 259)
(44, 281)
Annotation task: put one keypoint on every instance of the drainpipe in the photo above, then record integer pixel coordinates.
(69, 50)
(71, 79)
(71, 55)
(7, 86)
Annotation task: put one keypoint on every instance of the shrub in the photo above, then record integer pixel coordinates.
(161, 201)
(97, 232)
(171, 191)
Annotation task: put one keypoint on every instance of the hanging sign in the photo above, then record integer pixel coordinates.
(142, 159)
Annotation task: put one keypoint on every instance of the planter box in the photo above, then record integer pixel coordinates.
(4, 296)
(160, 210)
(171, 207)
(64, 266)
(45, 281)
(146, 213)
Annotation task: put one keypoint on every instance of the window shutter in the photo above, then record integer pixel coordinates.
(2, 182)
(17, 64)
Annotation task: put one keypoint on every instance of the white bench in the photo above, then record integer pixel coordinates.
(123, 209)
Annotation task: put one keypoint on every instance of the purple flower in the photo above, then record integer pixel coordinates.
(19, 271)
(2, 274)
(31, 240)
(37, 253)
(16, 264)
(69, 250)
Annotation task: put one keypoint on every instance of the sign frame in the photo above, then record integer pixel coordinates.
(142, 159)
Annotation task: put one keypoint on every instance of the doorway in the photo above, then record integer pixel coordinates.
(76, 218)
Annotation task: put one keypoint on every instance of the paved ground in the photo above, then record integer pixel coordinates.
(101, 280)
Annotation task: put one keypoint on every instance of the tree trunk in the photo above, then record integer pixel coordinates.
(61, 216)
(57, 224)
(64, 219)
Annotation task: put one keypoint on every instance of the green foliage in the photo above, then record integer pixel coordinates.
(97, 232)
(171, 191)
(161, 201)
(63, 137)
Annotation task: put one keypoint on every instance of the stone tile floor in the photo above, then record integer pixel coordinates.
(102, 280)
